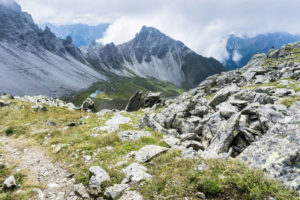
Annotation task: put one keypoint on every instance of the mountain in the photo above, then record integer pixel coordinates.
(153, 54)
(82, 34)
(236, 136)
(35, 61)
(241, 49)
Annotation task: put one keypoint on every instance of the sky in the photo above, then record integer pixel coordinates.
(203, 25)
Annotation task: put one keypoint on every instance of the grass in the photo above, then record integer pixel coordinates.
(173, 177)
(289, 101)
(76, 142)
(178, 178)
(116, 92)
(210, 97)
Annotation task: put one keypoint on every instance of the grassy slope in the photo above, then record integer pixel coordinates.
(173, 178)
(116, 92)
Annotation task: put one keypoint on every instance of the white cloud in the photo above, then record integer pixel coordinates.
(236, 56)
(201, 24)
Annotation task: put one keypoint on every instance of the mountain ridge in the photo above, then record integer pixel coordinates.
(154, 54)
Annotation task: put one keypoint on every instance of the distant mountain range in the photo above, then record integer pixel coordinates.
(81, 34)
(35, 61)
(241, 49)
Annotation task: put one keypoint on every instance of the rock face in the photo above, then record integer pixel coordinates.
(153, 54)
(241, 114)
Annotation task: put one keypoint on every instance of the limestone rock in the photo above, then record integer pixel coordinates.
(133, 135)
(135, 172)
(10, 182)
(97, 176)
(115, 190)
(147, 152)
(88, 104)
(131, 195)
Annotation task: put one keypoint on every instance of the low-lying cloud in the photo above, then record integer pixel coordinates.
(202, 25)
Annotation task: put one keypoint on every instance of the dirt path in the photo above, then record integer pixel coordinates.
(54, 181)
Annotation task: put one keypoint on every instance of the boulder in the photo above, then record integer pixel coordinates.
(151, 98)
(115, 191)
(135, 173)
(134, 102)
(39, 108)
(223, 139)
(88, 104)
(81, 191)
(222, 95)
(131, 195)
(97, 176)
(147, 152)
(133, 135)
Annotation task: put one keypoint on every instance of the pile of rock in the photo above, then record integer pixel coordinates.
(230, 115)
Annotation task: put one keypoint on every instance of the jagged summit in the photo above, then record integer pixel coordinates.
(153, 54)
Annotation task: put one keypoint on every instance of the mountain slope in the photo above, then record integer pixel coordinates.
(153, 54)
(81, 34)
(37, 62)
(235, 136)
(241, 49)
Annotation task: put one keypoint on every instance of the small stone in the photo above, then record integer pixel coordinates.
(50, 123)
(200, 195)
(56, 150)
(71, 124)
(10, 182)
(133, 135)
(81, 191)
(40, 194)
(201, 167)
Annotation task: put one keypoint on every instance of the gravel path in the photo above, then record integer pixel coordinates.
(55, 182)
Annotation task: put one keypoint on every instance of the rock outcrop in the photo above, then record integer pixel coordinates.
(251, 114)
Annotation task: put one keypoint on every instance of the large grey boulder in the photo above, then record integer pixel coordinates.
(135, 173)
(222, 95)
(151, 98)
(97, 176)
(147, 152)
(277, 152)
(223, 139)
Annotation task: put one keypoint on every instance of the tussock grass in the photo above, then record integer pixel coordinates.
(178, 178)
